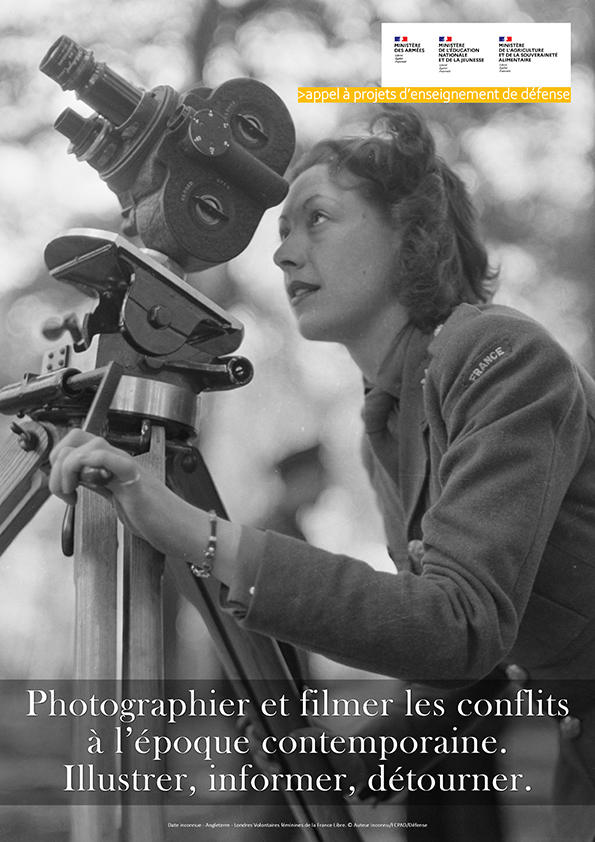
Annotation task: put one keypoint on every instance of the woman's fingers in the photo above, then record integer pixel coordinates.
(120, 465)
(79, 450)
(56, 483)
(75, 438)
(142, 501)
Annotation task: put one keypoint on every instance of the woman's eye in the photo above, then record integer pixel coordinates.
(318, 217)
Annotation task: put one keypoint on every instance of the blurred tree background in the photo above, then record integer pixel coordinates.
(529, 169)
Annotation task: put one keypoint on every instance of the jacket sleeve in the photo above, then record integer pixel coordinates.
(506, 443)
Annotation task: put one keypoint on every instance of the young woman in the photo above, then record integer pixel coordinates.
(479, 442)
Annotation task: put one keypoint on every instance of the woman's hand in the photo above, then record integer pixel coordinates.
(142, 502)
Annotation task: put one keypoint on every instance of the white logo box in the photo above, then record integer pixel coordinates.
(475, 55)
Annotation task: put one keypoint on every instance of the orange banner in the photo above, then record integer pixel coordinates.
(387, 95)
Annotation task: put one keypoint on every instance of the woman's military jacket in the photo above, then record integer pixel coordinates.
(480, 445)
(479, 441)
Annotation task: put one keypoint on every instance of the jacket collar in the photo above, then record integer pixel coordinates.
(395, 418)
(394, 411)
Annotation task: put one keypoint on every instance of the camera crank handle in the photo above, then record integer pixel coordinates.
(94, 423)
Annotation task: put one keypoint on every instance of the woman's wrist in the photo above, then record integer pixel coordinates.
(214, 547)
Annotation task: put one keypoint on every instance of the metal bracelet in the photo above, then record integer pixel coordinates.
(203, 571)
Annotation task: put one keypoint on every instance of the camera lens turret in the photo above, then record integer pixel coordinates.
(75, 69)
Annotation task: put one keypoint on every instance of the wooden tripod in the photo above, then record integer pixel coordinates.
(150, 411)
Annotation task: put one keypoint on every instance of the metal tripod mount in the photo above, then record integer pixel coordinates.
(152, 345)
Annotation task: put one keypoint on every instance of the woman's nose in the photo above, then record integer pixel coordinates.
(288, 253)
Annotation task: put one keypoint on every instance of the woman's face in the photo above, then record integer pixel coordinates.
(339, 257)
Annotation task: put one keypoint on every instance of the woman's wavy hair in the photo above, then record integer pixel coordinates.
(442, 261)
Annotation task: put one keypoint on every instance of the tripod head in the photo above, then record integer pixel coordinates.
(155, 310)
(194, 172)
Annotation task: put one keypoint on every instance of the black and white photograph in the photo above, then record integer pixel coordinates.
(297, 422)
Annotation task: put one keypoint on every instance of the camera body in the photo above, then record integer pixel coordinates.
(194, 173)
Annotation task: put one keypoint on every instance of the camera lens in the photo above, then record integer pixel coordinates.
(71, 124)
(75, 69)
(68, 64)
(93, 139)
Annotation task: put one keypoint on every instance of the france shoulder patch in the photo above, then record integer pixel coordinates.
(485, 362)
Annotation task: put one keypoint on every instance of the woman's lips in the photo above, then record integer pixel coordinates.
(298, 290)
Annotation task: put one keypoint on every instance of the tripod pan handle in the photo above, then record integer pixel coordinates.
(95, 476)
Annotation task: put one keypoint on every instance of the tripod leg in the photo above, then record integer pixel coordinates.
(143, 654)
(257, 669)
(96, 650)
(23, 487)
(96, 579)
(143, 574)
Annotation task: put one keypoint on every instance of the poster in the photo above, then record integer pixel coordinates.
(528, 168)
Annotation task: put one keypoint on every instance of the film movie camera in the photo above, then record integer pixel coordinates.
(193, 174)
